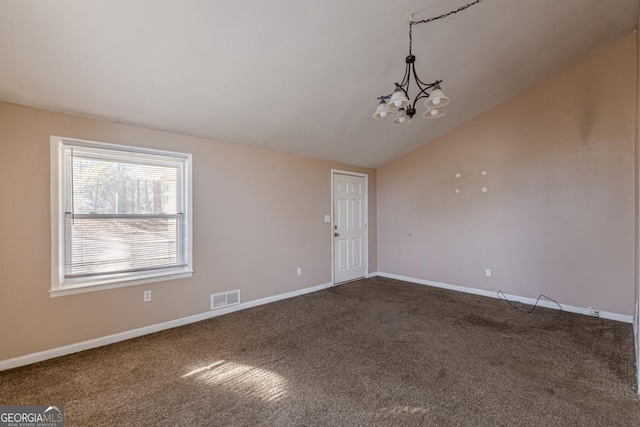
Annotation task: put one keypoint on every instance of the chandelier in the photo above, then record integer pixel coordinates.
(398, 104)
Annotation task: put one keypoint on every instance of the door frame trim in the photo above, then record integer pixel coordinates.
(366, 219)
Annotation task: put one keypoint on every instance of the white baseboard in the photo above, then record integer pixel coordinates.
(542, 303)
(122, 336)
(374, 274)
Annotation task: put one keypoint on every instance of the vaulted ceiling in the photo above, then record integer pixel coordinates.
(290, 75)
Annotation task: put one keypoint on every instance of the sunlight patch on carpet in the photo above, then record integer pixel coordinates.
(244, 380)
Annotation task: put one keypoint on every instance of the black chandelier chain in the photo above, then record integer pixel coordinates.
(435, 18)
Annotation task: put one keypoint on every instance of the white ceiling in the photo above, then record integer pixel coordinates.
(290, 75)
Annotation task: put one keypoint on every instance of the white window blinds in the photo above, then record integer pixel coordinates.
(124, 211)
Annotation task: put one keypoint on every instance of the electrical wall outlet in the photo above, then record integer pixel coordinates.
(299, 271)
(593, 312)
(147, 296)
(487, 272)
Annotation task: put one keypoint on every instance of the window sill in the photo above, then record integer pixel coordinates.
(101, 286)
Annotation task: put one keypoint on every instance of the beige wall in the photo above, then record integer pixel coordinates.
(558, 217)
(258, 215)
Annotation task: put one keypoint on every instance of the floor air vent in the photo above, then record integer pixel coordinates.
(225, 299)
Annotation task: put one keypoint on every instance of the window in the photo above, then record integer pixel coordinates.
(120, 215)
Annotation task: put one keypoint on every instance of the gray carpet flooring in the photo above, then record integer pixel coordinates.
(375, 352)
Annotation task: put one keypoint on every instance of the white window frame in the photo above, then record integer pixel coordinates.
(61, 286)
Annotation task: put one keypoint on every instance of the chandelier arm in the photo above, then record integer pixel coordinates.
(407, 76)
(424, 95)
(437, 82)
(405, 81)
(423, 90)
(408, 80)
(415, 101)
(406, 92)
(415, 74)
(419, 82)
(424, 87)
(428, 86)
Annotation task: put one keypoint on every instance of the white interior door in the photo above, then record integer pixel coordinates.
(349, 227)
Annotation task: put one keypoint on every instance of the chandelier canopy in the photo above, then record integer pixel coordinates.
(398, 104)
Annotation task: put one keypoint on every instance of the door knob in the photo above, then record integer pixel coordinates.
(336, 234)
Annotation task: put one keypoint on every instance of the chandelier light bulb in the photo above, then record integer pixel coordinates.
(398, 99)
(401, 117)
(382, 111)
(437, 99)
(434, 113)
